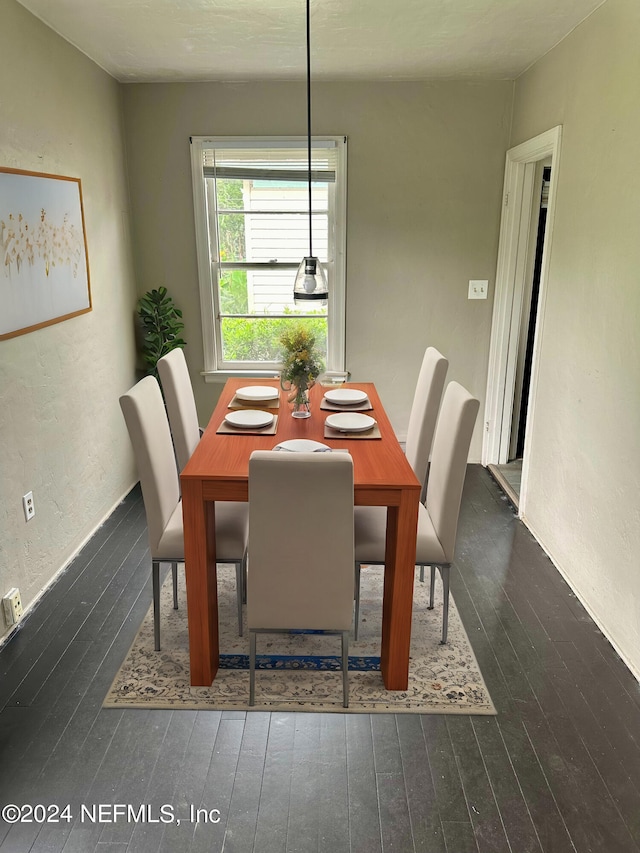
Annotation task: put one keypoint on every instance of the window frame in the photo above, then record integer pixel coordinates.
(215, 368)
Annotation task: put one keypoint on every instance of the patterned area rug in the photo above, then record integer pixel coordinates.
(301, 672)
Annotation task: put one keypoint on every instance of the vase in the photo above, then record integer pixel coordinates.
(299, 397)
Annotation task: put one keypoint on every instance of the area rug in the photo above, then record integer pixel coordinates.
(301, 672)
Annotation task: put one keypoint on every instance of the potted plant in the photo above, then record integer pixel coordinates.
(161, 326)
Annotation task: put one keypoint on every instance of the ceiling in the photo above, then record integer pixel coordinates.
(237, 40)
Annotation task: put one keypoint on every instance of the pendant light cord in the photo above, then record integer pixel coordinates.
(309, 119)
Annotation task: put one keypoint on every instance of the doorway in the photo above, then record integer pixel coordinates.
(525, 239)
(509, 474)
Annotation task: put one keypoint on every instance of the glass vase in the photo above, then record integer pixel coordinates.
(298, 396)
(300, 399)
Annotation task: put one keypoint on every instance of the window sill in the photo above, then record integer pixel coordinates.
(223, 375)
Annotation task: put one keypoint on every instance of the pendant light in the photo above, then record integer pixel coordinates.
(310, 285)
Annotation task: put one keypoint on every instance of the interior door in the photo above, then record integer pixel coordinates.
(528, 316)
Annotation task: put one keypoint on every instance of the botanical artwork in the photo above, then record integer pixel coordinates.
(44, 271)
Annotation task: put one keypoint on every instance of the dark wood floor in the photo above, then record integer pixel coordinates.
(557, 770)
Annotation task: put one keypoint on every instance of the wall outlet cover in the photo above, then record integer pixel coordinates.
(12, 605)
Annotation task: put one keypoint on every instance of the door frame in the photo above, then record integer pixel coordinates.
(513, 249)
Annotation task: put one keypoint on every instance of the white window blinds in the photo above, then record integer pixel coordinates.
(246, 161)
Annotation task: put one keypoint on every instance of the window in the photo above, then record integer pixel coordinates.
(251, 200)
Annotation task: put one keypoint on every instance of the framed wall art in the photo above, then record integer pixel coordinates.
(44, 267)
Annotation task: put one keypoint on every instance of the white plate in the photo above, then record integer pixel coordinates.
(257, 393)
(302, 445)
(249, 418)
(346, 396)
(350, 422)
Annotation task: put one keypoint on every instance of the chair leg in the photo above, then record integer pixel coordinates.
(422, 574)
(432, 587)
(155, 580)
(240, 592)
(252, 667)
(444, 572)
(357, 600)
(244, 577)
(174, 572)
(345, 669)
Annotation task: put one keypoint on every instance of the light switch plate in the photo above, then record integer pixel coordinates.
(478, 289)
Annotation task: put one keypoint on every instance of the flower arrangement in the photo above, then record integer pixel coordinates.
(300, 358)
(301, 365)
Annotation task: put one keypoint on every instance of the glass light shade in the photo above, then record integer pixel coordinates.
(311, 283)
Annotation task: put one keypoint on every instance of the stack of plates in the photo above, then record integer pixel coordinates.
(346, 396)
(257, 393)
(249, 419)
(350, 422)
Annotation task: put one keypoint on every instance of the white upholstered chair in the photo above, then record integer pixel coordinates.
(180, 403)
(300, 570)
(422, 424)
(148, 427)
(438, 516)
(424, 412)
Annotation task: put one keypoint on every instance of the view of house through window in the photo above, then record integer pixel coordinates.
(252, 214)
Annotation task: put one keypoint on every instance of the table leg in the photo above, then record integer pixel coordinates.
(202, 589)
(397, 605)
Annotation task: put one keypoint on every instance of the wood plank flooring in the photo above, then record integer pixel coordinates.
(557, 771)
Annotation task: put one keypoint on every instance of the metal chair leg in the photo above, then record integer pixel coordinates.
(345, 669)
(252, 667)
(244, 577)
(155, 580)
(432, 587)
(444, 573)
(240, 592)
(174, 572)
(357, 600)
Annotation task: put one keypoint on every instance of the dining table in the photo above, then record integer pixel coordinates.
(218, 470)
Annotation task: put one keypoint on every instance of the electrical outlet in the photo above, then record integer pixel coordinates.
(28, 506)
(12, 604)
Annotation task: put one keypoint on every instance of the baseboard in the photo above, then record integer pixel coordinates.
(630, 666)
(15, 628)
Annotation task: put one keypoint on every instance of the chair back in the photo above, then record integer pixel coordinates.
(146, 419)
(424, 411)
(449, 463)
(181, 404)
(301, 551)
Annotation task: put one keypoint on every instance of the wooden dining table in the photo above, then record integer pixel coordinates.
(219, 471)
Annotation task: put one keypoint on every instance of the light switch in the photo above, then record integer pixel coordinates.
(478, 289)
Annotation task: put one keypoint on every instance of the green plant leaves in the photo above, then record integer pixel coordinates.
(161, 325)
